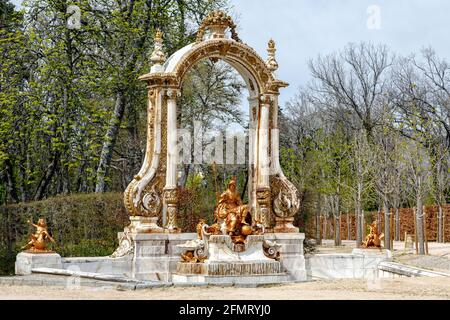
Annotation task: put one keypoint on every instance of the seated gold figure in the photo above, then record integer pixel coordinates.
(38, 240)
(373, 239)
(232, 215)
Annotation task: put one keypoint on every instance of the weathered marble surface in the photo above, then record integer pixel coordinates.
(105, 265)
(82, 274)
(231, 280)
(292, 258)
(230, 268)
(361, 263)
(156, 256)
(26, 261)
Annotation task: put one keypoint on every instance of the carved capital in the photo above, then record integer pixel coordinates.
(263, 196)
(173, 93)
(171, 199)
(263, 199)
(171, 196)
(266, 99)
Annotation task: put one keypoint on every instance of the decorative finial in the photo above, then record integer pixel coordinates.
(271, 63)
(217, 22)
(158, 56)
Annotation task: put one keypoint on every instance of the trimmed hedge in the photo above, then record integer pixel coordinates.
(81, 224)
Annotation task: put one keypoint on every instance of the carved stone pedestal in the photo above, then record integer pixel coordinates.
(225, 265)
(156, 255)
(285, 225)
(144, 225)
(26, 261)
(291, 253)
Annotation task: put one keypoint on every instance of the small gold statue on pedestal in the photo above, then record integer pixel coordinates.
(232, 215)
(373, 239)
(38, 240)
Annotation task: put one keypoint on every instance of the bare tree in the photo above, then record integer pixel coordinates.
(419, 175)
(352, 82)
(303, 132)
(423, 102)
(362, 162)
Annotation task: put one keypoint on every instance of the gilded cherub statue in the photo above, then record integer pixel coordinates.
(231, 214)
(373, 239)
(38, 240)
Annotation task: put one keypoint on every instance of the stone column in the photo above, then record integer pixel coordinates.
(252, 151)
(170, 189)
(263, 161)
(275, 166)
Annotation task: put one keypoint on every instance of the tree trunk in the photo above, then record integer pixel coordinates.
(109, 143)
(244, 189)
(387, 224)
(379, 219)
(419, 225)
(337, 229)
(184, 175)
(359, 218)
(81, 178)
(11, 186)
(363, 226)
(425, 230)
(440, 224)
(45, 181)
(318, 222)
(348, 226)
(397, 224)
(337, 215)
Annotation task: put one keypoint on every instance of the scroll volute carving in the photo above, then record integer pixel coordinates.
(143, 196)
(285, 204)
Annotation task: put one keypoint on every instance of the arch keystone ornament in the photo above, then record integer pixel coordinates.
(151, 199)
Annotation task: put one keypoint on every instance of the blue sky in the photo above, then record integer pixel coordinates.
(303, 29)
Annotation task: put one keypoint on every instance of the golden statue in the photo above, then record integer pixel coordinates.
(37, 242)
(209, 230)
(199, 228)
(373, 239)
(232, 215)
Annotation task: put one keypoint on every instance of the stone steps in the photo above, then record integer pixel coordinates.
(408, 271)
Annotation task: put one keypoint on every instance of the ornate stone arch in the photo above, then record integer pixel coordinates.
(153, 192)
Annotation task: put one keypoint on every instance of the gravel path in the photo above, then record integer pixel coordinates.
(399, 288)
